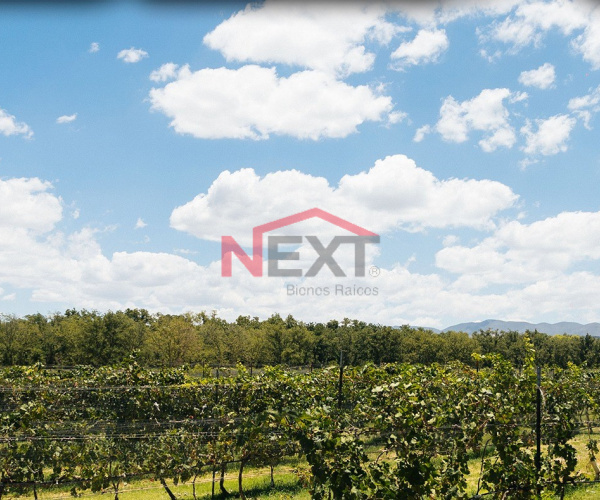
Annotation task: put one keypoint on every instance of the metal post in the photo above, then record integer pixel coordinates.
(214, 436)
(538, 423)
(341, 379)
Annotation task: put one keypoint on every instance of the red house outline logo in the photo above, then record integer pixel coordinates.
(254, 264)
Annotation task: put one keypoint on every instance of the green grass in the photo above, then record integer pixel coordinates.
(256, 485)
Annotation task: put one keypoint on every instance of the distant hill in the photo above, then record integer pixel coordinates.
(521, 326)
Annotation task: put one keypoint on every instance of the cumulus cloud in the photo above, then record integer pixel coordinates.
(170, 283)
(28, 204)
(535, 261)
(71, 268)
(588, 43)
(429, 13)
(526, 253)
(551, 136)
(542, 77)
(66, 118)
(10, 126)
(421, 133)
(396, 117)
(75, 271)
(531, 21)
(518, 97)
(140, 224)
(585, 106)
(94, 47)
(307, 34)
(254, 102)
(426, 47)
(167, 71)
(485, 112)
(132, 55)
(394, 193)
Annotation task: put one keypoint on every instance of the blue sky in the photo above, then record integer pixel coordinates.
(134, 135)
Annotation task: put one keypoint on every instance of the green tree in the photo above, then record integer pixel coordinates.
(172, 341)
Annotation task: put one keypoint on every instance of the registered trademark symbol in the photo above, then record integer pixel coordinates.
(374, 271)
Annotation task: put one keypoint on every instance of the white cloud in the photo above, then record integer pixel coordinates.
(132, 55)
(170, 283)
(588, 43)
(167, 71)
(10, 126)
(94, 47)
(70, 268)
(591, 100)
(526, 162)
(66, 118)
(551, 136)
(140, 224)
(503, 137)
(426, 47)
(542, 77)
(396, 117)
(519, 96)
(185, 251)
(526, 253)
(432, 13)
(28, 205)
(485, 112)
(450, 240)
(533, 20)
(74, 271)
(584, 107)
(421, 133)
(533, 264)
(491, 58)
(519, 33)
(311, 35)
(254, 102)
(394, 193)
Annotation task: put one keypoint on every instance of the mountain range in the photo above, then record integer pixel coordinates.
(520, 326)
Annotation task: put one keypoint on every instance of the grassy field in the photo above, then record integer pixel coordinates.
(257, 484)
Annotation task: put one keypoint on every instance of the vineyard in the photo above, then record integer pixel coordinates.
(386, 432)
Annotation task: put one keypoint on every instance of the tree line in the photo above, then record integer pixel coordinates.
(82, 337)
